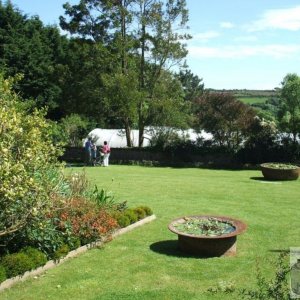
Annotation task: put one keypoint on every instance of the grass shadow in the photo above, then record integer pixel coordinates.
(170, 248)
(285, 251)
(261, 178)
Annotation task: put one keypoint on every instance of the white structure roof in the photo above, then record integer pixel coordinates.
(116, 137)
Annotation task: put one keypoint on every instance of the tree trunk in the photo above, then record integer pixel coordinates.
(142, 76)
(128, 133)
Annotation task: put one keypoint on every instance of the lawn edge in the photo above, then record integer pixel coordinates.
(52, 263)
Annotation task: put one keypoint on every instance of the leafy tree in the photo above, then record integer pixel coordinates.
(141, 38)
(167, 107)
(82, 82)
(160, 48)
(75, 128)
(122, 98)
(289, 113)
(225, 117)
(192, 85)
(37, 51)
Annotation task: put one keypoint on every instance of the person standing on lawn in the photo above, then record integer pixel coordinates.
(106, 154)
(88, 151)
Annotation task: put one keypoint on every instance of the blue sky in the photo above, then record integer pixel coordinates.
(237, 44)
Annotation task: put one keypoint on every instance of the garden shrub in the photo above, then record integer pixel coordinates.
(26, 153)
(123, 221)
(38, 257)
(131, 215)
(44, 235)
(61, 252)
(2, 273)
(88, 222)
(148, 211)
(141, 214)
(17, 264)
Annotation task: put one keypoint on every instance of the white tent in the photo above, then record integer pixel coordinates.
(116, 138)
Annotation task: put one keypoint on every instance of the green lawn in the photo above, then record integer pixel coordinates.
(144, 263)
(253, 100)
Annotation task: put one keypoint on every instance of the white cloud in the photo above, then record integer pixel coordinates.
(226, 25)
(243, 51)
(246, 38)
(205, 36)
(288, 19)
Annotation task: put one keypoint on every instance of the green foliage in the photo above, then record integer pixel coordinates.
(225, 117)
(17, 264)
(34, 50)
(26, 153)
(132, 215)
(141, 214)
(148, 211)
(2, 273)
(192, 85)
(61, 252)
(38, 257)
(102, 198)
(289, 113)
(43, 234)
(123, 221)
(74, 128)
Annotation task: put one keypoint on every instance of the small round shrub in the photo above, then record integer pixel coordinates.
(17, 264)
(37, 256)
(61, 252)
(123, 221)
(2, 274)
(148, 211)
(141, 214)
(131, 214)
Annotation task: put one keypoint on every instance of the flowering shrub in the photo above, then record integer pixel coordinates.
(88, 222)
(26, 153)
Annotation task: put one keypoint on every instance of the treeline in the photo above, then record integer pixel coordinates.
(113, 72)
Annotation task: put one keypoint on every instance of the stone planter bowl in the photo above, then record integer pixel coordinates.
(209, 246)
(279, 174)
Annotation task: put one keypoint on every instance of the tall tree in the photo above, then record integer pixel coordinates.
(160, 48)
(141, 35)
(104, 24)
(34, 50)
(289, 112)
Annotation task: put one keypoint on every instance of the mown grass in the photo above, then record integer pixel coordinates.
(253, 100)
(145, 264)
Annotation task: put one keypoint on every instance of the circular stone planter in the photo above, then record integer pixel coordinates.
(209, 246)
(272, 173)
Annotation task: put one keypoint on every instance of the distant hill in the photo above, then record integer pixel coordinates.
(251, 96)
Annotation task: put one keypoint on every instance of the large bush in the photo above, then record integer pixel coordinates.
(26, 153)
(226, 118)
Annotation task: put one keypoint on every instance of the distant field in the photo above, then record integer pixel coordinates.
(253, 100)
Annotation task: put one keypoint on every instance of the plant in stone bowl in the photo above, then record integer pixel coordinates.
(280, 171)
(207, 235)
(206, 227)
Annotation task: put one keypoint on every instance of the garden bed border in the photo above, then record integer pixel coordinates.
(52, 263)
